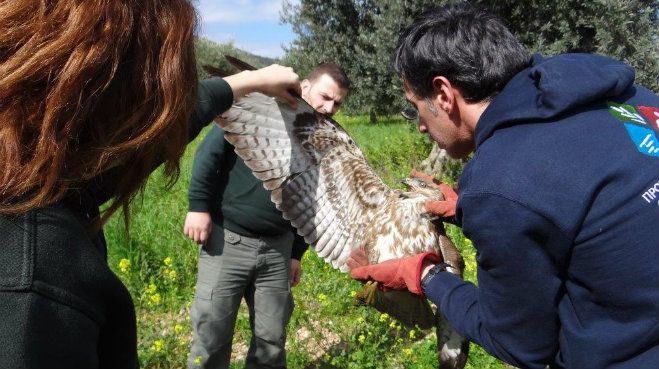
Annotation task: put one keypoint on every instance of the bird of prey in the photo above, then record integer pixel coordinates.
(323, 185)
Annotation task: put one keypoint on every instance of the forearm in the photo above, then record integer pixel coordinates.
(215, 96)
(207, 168)
(512, 313)
(243, 83)
(274, 80)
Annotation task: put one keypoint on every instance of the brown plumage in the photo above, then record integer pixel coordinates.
(322, 183)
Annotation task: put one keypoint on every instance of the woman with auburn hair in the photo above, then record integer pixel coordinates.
(94, 95)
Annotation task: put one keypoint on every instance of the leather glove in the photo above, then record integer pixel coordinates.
(356, 259)
(444, 209)
(397, 274)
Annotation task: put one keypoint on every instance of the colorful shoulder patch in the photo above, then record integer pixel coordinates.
(642, 124)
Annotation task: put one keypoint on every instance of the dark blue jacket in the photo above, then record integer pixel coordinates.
(561, 201)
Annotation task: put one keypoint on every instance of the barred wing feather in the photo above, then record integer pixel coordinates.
(323, 185)
(319, 178)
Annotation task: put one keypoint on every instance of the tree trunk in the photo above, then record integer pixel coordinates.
(373, 118)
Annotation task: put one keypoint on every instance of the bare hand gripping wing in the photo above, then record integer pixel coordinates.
(319, 178)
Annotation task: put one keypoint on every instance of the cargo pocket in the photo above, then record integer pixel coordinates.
(213, 320)
(204, 291)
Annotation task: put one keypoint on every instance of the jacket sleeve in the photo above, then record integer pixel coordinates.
(513, 313)
(299, 246)
(206, 170)
(37, 332)
(214, 96)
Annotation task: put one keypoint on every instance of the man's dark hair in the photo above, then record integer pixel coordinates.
(332, 70)
(472, 48)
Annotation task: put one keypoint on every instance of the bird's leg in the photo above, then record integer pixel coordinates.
(409, 309)
(366, 296)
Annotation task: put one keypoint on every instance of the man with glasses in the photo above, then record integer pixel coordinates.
(561, 197)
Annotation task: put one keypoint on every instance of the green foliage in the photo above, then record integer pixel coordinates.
(326, 330)
(211, 53)
(625, 30)
(360, 35)
(393, 147)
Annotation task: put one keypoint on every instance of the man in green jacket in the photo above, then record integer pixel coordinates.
(248, 249)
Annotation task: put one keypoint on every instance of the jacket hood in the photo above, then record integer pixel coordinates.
(552, 86)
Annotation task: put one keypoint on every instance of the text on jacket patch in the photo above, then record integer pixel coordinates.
(651, 194)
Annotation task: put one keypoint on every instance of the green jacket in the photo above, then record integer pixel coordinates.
(223, 185)
(60, 304)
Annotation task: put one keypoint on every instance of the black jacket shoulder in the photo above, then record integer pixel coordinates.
(61, 304)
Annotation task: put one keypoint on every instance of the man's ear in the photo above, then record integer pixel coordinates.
(444, 92)
(305, 85)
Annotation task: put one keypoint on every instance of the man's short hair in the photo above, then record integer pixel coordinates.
(469, 46)
(334, 71)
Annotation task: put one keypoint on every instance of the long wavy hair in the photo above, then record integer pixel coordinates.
(92, 85)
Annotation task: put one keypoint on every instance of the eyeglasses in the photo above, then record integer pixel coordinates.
(410, 113)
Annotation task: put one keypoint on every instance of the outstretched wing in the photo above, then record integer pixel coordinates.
(319, 178)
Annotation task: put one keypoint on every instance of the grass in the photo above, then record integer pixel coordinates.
(158, 264)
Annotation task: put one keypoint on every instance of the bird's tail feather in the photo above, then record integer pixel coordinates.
(452, 348)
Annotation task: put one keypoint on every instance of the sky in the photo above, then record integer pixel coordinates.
(252, 25)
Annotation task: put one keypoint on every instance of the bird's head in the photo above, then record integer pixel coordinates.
(421, 187)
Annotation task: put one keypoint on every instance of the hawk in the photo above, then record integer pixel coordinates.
(322, 183)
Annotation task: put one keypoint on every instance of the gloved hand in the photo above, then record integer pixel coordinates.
(444, 209)
(397, 274)
(356, 259)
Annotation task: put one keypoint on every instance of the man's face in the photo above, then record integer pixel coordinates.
(449, 133)
(323, 94)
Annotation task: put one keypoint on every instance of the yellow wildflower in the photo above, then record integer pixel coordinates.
(171, 274)
(197, 360)
(322, 297)
(392, 324)
(124, 265)
(412, 334)
(353, 293)
(178, 328)
(151, 289)
(360, 320)
(155, 298)
(470, 265)
(361, 338)
(158, 345)
(384, 317)
(167, 261)
(407, 351)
